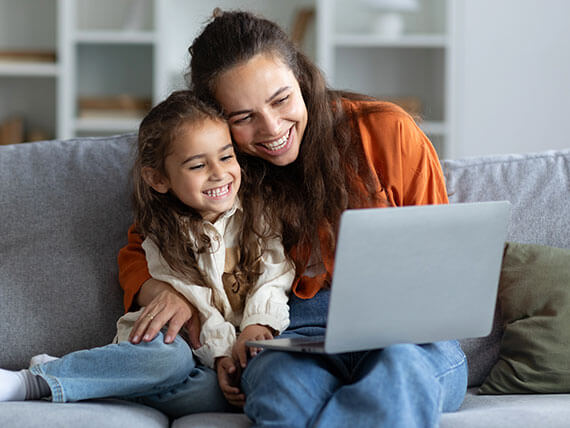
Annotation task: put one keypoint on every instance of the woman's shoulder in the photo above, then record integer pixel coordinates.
(376, 112)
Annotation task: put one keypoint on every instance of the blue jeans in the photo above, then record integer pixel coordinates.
(398, 386)
(163, 376)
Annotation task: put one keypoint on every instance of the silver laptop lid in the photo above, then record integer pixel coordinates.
(415, 274)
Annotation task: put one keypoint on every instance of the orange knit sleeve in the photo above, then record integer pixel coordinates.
(404, 159)
(133, 269)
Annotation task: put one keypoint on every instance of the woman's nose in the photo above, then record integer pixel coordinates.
(271, 124)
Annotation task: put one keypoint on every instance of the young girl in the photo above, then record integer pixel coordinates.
(201, 239)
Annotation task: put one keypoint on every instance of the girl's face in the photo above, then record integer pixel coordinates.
(201, 168)
(265, 108)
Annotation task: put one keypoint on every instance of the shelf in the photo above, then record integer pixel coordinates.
(115, 37)
(18, 69)
(373, 40)
(104, 124)
(433, 127)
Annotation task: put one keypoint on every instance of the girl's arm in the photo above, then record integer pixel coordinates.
(266, 310)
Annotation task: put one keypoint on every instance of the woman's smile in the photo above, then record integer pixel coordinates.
(280, 145)
(266, 112)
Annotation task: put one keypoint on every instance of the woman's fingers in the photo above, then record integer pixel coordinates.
(143, 322)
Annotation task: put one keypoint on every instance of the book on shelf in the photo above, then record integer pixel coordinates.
(12, 131)
(27, 56)
(120, 107)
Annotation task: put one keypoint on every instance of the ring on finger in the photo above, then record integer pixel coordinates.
(150, 316)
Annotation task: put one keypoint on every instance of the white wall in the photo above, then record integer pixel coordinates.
(511, 85)
(182, 20)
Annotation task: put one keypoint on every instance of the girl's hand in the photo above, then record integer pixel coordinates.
(228, 378)
(164, 305)
(251, 332)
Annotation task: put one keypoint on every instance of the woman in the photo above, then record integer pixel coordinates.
(313, 152)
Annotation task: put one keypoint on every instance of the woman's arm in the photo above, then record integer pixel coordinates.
(163, 305)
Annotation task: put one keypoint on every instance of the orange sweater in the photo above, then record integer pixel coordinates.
(396, 150)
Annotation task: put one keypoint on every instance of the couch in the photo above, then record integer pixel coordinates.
(64, 215)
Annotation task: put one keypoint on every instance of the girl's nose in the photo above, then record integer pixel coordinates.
(217, 171)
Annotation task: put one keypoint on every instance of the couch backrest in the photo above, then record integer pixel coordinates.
(64, 215)
(538, 186)
(65, 211)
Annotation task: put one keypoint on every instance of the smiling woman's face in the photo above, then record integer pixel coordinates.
(265, 108)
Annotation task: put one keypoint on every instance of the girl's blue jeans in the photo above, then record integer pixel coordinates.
(398, 386)
(164, 376)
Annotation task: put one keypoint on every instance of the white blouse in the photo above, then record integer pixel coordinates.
(224, 304)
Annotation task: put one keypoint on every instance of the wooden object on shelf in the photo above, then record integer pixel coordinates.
(120, 106)
(12, 131)
(27, 56)
(301, 21)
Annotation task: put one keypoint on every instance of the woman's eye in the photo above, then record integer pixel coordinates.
(282, 100)
(242, 119)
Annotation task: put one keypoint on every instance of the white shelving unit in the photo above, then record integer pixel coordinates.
(137, 48)
(111, 47)
(409, 65)
(103, 48)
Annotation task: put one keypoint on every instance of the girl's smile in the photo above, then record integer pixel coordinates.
(201, 169)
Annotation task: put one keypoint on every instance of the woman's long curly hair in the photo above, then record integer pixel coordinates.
(327, 177)
(162, 217)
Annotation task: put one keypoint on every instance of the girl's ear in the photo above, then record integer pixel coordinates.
(155, 179)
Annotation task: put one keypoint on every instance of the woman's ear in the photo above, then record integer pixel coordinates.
(155, 179)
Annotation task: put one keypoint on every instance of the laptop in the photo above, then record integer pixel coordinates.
(416, 274)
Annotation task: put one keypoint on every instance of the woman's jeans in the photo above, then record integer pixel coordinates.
(398, 386)
(164, 376)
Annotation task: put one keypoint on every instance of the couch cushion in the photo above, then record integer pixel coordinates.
(65, 211)
(517, 411)
(538, 186)
(213, 420)
(534, 296)
(88, 414)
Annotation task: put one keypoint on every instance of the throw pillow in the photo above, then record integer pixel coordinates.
(534, 298)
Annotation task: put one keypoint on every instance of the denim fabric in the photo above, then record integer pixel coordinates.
(163, 376)
(399, 386)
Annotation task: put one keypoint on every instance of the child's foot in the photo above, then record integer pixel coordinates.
(12, 386)
(22, 385)
(40, 359)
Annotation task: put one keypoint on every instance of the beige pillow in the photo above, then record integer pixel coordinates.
(534, 297)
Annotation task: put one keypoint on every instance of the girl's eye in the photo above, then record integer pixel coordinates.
(198, 166)
(227, 157)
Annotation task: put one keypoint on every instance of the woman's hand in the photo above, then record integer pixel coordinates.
(228, 379)
(164, 305)
(251, 332)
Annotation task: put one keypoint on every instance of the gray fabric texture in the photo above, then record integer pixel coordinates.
(213, 420)
(65, 211)
(88, 414)
(538, 186)
(499, 411)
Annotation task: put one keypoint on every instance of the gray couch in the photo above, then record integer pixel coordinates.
(64, 214)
